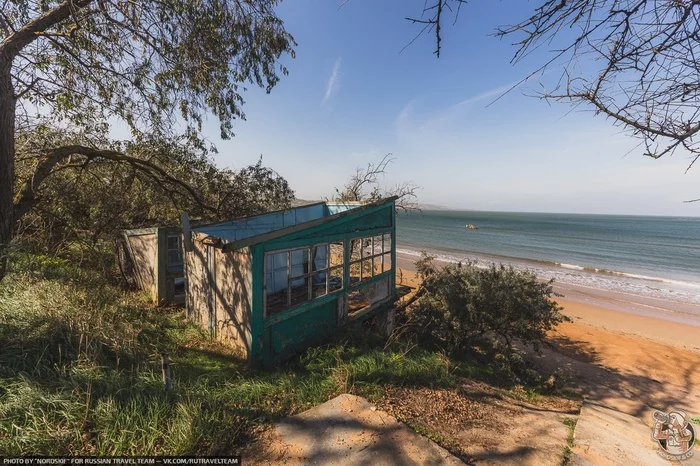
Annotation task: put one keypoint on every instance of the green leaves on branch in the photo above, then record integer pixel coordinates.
(463, 303)
(155, 65)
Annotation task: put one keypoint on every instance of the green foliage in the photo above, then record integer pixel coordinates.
(463, 303)
(93, 200)
(153, 65)
(79, 372)
(570, 423)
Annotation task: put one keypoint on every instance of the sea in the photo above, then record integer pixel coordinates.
(656, 257)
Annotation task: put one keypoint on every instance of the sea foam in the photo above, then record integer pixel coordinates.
(609, 280)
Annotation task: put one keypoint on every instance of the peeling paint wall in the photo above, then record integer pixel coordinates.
(376, 291)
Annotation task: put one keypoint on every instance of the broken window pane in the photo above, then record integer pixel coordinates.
(355, 273)
(366, 247)
(335, 279)
(318, 281)
(299, 290)
(355, 249)
(337, 253)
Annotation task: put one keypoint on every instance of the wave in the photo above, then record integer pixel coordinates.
(610, 280)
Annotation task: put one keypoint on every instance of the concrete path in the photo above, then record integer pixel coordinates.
(348, 430)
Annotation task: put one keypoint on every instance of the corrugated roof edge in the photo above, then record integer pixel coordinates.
(234, 245)
(256, 215)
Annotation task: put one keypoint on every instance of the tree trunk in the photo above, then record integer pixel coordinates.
(7, 161)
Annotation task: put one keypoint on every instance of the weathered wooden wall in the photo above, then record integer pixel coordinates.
(143, 250)
(219, 293)
(197, 284)
(234, 291)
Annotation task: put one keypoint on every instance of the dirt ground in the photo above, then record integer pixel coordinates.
(484, 425)
(626, 359)
(627, 362)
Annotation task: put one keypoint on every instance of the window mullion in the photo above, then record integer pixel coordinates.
(289, 278)
(309, 276)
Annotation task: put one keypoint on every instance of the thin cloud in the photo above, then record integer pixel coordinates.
(495, 92)
(333, 80)
(404, 115)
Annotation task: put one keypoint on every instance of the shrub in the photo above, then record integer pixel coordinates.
(462, 303)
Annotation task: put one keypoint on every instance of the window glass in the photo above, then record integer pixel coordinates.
(174, 249)
(387, 242)
(367, 268)
(377, 242)
(173, 258)
(300, 262)
(366, 247)
(320, 257)
(173, 242)
(276, 281)
(387, 262)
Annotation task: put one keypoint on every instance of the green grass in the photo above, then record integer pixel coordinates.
(80, 372)
(569, 422)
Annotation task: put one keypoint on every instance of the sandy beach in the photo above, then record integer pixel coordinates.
(647, 350)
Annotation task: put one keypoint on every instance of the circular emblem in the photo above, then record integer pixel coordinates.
(674, 433)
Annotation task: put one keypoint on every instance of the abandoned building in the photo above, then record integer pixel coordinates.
(274, 283)
(153, 258)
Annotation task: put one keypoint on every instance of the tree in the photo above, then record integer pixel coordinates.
(84, 201)
(646, 54)
(365, 178)
(154, 66)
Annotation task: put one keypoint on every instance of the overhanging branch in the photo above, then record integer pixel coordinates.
(29, 197)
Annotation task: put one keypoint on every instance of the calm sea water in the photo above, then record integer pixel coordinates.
(652, 256)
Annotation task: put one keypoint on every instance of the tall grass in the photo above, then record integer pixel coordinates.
(79, 372)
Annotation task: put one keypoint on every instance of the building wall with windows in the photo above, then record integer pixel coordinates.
(275, 293)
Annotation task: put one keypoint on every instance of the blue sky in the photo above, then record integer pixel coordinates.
(352, 96)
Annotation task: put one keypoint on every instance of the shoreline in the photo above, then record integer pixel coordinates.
(655, 291)
(666, 322)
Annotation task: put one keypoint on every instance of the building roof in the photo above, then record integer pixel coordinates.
(246, 231)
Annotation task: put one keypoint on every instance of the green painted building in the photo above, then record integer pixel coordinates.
(275, 283)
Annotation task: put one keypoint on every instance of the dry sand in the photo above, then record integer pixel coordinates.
(624, 350)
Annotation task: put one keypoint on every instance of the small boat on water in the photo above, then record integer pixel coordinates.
(472, 227)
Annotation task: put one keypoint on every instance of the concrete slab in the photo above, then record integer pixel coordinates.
(348, 430)
(606, 436)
